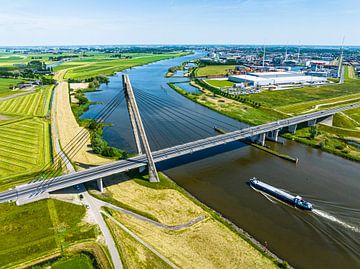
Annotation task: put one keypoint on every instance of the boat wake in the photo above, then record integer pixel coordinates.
(332, 218)
(267, 196)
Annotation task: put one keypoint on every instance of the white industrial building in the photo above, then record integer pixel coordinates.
(276, 78)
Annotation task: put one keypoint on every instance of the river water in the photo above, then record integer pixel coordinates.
(328, 237)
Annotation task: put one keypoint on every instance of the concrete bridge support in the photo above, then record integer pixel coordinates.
(261, 140)
(311, 122)
(138, 127)
(273, 135)
(292, 128)
(100, 184)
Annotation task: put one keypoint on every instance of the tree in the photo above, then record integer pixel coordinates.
(313, 131)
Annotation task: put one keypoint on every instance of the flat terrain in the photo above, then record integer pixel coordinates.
(5, 84)
(24, 149)
(34, 104)
(213, 70)
(205, 244)
(220, 83)
(102, 65)
(38, 229)
(296, 101)
(24, 137)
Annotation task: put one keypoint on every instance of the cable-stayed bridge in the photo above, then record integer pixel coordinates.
(50, 182)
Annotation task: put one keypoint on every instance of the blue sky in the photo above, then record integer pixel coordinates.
(65, 22)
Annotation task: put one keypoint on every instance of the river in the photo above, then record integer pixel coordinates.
(328, 237)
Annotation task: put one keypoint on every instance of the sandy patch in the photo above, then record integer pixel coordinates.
(79, 86)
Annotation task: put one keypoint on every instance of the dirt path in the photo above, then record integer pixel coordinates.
(140, 240)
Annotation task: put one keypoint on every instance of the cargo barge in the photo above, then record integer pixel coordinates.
(281, 195)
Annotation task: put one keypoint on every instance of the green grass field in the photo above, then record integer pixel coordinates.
(24, 149)
(354, 114)
(296, 101)
(34, 104)
(219, 83)
(36, 229)
(5, 83)
(104, 65)
(213, 70)
(133, 254)
(79, 261)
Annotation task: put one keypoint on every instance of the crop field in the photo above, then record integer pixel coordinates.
(219, 83)
(34, 104)
(213, 70)
(94, 66)
(39, 228)
(5, 83)
(24, 148)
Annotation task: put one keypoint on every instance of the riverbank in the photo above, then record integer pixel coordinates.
(331, 140)
(175, 206)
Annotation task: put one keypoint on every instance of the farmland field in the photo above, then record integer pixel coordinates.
(213, 70)
(24, 148)
(5, 83)
(39, 228)
(34, 104)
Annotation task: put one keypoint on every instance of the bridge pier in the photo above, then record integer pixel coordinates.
(100, 184)
(292, 128)
(311, 122)
(273, 135)
(261, 140)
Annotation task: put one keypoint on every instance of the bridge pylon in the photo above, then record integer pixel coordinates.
(138, 128)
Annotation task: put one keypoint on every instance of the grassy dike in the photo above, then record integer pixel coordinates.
(212, 242)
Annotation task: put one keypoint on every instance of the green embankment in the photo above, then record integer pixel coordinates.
(78, 261)
(92, 67)
(231, 108)
(31, 231)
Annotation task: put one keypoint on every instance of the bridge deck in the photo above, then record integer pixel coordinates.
(33, 189)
